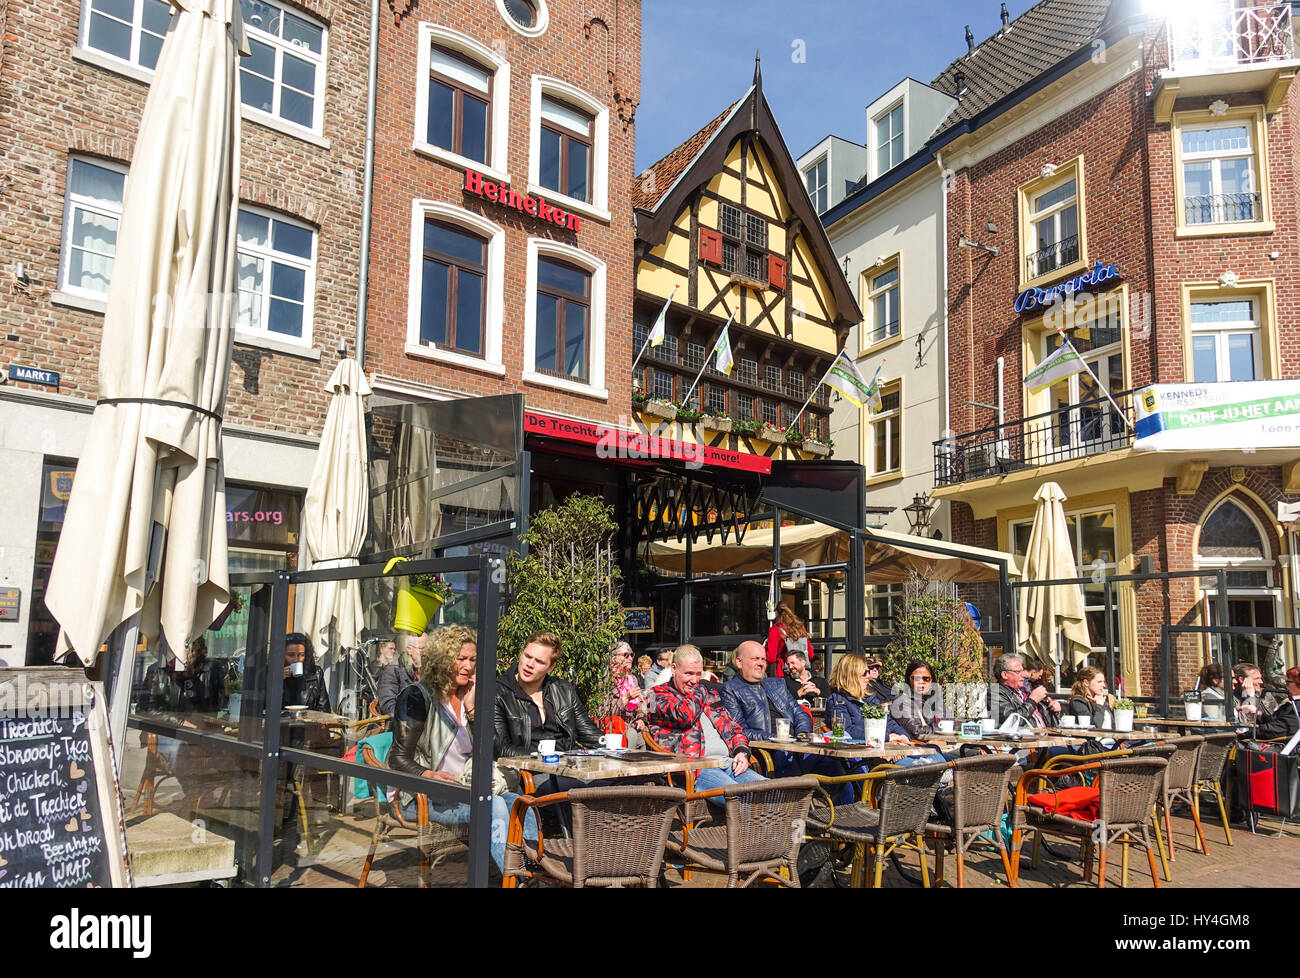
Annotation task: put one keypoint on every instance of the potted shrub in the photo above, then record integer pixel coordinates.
(873, 718)
(1123, 715)
(661, 409)
(715, 421)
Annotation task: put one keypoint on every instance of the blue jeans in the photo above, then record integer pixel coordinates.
(720, 777)
(459, 815)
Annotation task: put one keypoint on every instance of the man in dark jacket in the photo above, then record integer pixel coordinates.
(757, 701)
(1285, 720)
(1009, 695)
(533, 705)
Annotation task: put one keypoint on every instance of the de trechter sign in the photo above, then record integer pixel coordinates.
(1209, 417)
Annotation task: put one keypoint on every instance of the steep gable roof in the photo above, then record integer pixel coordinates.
(692, 164)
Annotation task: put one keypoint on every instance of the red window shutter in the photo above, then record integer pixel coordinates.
(710, 246)
(776, 272)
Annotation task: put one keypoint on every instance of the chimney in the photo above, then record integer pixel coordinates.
(1006, 19)
(959, 79)
(970, 41)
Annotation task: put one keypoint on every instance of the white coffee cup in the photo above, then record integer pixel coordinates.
(988, 725)
(1069, 720)
(546, 747)
(1084, 722)
(782, 729)
(1193, 711)
(295, 668)
(612, 741)
(946, 726)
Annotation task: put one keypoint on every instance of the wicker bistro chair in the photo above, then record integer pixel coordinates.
(895, 817)
(761, 835)
(1180, 779)
(1210, 765)
(979, 800)
(618, 840)
(1127, 788)
(430, 838)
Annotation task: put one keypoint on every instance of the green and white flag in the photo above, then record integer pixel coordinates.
(1064, 362)
(659, 332)
(722, 349)
(845, 378)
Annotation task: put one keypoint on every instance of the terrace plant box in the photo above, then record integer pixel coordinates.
(660, 409)
(710, 423)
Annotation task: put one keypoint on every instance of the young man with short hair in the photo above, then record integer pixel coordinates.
(532, 705)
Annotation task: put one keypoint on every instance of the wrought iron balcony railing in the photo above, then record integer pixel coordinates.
(1224, 209)
(1209, 36)
(1054, 256)
(1069, 432)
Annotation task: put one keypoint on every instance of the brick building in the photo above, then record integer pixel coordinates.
(494, 118)
(73, 83)
(1146, 168)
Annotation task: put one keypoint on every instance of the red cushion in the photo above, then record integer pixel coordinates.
(1081, 802)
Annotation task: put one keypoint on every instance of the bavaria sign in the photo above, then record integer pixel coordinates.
(1032, 299)
(1209, 417)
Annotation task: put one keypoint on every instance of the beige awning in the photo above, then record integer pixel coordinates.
(889, 557)
(145, 531)
(1049, 612)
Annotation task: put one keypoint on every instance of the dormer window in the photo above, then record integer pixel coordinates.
(889, 139)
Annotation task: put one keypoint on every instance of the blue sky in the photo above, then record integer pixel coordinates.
(697, 57)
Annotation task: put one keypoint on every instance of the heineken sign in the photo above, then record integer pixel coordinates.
(1032, 299)
(533, 205)
(1206, 417)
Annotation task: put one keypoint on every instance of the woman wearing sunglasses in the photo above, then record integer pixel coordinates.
(920, 707)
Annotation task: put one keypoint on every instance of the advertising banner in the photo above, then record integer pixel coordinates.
(1209, 417)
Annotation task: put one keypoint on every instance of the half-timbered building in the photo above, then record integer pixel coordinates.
(725, 229)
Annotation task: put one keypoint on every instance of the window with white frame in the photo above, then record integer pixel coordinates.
(668, 348)
(276, 276)
(882, 301)
(694, 356)
(130, 30)
(460, 99)
(92, 214)
(663, 385)
(1084, 420)
(745, 407)
(569, 152)
(284, 73)
(885, 449)
(771, 413)
(772, 377)
(1219, 183)
(747, 371)
(564, 319)
(717, 399)
(815, 179)
(456, 289)
(889, 139)
(1054, 228)
(1225, 341)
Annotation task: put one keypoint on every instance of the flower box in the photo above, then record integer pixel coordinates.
(660, 409)
(769, 433)
(710, 423)
(816, 447)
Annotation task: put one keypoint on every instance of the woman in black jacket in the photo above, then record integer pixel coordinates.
(920, 708)
(1089, 699)
(304, 681)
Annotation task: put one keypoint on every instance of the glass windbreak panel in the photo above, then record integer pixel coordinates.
(194, 814)
(441, 468)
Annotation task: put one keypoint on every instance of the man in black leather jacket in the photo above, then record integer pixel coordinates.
(533, 705)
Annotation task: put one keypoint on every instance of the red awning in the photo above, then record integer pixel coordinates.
(616, 444)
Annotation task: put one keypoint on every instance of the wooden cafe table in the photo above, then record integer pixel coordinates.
(614, 765)
(841, 749)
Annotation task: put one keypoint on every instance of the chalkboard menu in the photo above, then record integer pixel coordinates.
(638, 620)
(60, 818)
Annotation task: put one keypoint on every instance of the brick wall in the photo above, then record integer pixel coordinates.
(52, 104)
(601, 61)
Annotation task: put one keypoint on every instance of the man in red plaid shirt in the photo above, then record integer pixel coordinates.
(688, 718)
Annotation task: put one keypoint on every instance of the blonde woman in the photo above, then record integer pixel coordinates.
(431, 731)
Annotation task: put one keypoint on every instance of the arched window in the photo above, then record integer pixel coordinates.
(1231, 534)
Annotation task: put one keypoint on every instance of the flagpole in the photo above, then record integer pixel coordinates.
(646, 345)
(707, 357)
(813, 394)
(1097, 380)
